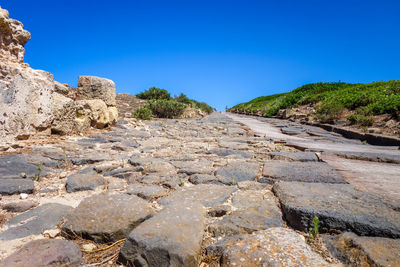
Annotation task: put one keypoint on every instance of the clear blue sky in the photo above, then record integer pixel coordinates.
(220, 51)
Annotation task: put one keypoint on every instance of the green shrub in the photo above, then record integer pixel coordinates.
(154, 93)
(143, 113)
(363, 120)
(164, 108)
(182, 98)
(329, 111)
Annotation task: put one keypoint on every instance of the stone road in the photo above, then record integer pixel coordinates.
(226, 190)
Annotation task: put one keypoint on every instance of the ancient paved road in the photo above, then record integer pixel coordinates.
(359, 163)
(205, 192)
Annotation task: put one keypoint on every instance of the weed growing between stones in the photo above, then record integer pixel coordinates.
(313, 231)
(37, 175)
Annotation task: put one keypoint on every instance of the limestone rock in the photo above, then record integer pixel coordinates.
(19, 206)
(106, 218)
(64, 112)
(13, 38)
(171, 238)
(91, 87)
(46, 252)
(92, 112)
(149, 192)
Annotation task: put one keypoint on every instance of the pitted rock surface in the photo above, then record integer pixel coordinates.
(338, 206)
(365, 251)
(208, 195)
(105, 218)
(272, 247)
(46, 252)
(35, 221)
(315, 172)
(171, 238)
(237, 172)
(293, 156)
(148, 192)
(254, 210)
(82, 182)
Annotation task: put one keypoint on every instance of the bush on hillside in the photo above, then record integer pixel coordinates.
(182, 98)
(164, 108)
(154, 93)
(143, 113)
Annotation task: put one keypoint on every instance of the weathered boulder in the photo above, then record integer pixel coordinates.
(171, 238)
(13, 38)
(92, 112)
(25, 94)
(91, 87)
(45, 252)
(64, 112)
(106, 218)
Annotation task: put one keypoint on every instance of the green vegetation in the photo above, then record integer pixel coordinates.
(164, 108)
(154, 93)
(182, 98)
(314, 231)
(143, 113)
(37, 175)
(161, 105)
(332, 99)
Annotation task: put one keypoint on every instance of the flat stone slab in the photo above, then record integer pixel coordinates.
(82, 182)
(293, 156)
(291, 131)
(313, 172)
(171, 181)
(338, 206)
(203, 179)
(193, 167)
(20, 206)
(16, 186)
(365, 251)
(237, 172)
(148, 192)
(228, 152)
(171, 238)
(272, 247)
(107, 218)
(11, 166)
(46, 252)
(209, 195)
(36, 221)
(233, 145)
(151, 165)
(255, 210)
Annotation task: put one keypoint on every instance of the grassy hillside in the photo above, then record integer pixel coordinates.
(330, 100)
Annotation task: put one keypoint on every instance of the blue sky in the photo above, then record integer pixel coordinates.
(222, 52)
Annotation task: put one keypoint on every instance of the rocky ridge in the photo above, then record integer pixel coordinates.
(31, 101)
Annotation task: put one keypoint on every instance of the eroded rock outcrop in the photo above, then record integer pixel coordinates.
(31, 101)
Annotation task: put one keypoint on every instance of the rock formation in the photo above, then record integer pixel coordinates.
(31, 101)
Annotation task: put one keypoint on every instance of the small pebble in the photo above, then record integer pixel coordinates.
(89, 247)
(23, 196)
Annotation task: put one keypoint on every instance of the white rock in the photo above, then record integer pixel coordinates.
(23, 196)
